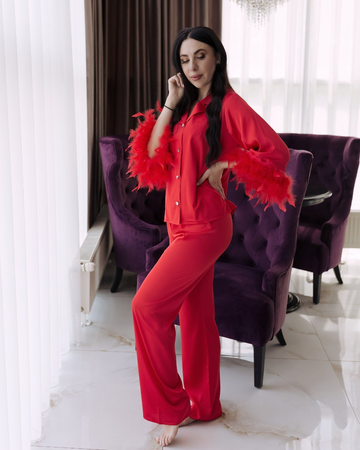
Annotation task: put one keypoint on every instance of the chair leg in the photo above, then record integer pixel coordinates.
(117, 279)
(280, 338)
(259, 365)
(338, 275)
(316, 288)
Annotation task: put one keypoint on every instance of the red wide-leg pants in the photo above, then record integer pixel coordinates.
(181, 283)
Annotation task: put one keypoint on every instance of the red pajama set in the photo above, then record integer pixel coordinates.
(200, 229)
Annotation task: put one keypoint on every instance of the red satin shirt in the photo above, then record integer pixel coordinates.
(259, 154)
(242, 128)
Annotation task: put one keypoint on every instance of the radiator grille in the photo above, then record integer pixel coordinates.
(95, 249)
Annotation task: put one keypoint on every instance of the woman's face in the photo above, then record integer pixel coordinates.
(198, 61)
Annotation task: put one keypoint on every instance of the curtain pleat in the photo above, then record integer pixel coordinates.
(290, 94)
(355, 74)
(39, 230)
(268, 70)
(310, 66)
(96, 103)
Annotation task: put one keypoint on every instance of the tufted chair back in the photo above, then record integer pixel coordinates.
(262, 239)
(257, 233)
(322, 227)
(334, 166)
(120, 188)
(137, 218)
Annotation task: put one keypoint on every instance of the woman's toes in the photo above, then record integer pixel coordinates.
(168, 435)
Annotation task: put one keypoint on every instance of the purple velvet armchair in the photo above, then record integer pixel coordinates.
(137, 218)
(252, 277)
(322, 227)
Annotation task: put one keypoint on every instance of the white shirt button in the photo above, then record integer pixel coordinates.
(177, 177)
(178, 150)
(183, 125)
(177, 203)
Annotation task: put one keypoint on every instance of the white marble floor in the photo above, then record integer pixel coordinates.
(310, 398)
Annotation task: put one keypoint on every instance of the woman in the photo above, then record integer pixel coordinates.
(204, 130)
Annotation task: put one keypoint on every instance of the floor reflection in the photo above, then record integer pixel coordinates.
(310, 398)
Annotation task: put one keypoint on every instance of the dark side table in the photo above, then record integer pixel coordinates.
(314, 195)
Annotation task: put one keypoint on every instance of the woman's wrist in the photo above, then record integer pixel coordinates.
(168, 107)
(223, 165)
(170, 103)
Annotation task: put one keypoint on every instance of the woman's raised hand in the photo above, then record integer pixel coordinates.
(176, 90)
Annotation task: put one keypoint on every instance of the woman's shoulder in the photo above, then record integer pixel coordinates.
(233, 100)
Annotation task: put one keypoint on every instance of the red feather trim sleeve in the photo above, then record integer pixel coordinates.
(150, 172)
(262, 180)
(259, 154)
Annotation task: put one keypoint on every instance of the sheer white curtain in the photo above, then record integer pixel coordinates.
(40, 106)
(301, 69)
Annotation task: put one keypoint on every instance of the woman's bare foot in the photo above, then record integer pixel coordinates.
(170, 431)
(187, 421)
(168, 434)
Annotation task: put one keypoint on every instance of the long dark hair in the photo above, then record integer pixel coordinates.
(218, 87)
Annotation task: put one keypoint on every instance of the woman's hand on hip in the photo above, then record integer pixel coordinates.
(214, 174)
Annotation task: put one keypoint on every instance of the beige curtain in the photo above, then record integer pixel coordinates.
(129, 45)
(139, 39)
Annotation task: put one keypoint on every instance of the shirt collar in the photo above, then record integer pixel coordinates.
(200, 106)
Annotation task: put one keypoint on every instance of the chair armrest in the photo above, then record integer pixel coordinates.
(153, 254)
(275, 284)
(130, 226)
(271, 278)
(129, 218)
(335, 225)
(132, 237)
